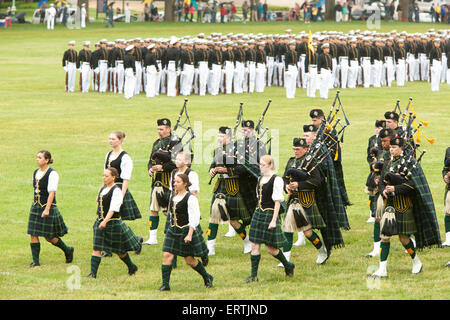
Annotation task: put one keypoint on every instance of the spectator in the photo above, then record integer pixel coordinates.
(42, 12)
(338, 9)
(245, 11)
(259, 10)
(264, 7)
(118, 11)
(109, 15)
(410, 13)
(253, 11)
(65, 13)
(207, 14)
(350, 6)
(399, 12)
(186, 11)
(320, 12)
(179, 9)
(345, 12)
(233, 11)
(127, 13)
(7, 20)
(223, 12)
(416, 12)
(437, 9)
(392, 10)
(297, 11)
(443, 12)
(146, 12)
(192, 11)
(314, 13)
(213, 12)
(199, 11)
(308, 12)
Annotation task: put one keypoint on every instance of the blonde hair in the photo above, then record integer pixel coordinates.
(119, 134)
(268, 159)
(186, 157)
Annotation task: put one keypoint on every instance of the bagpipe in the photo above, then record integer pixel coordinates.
(416, 124)
(260, 135)
(328, 135)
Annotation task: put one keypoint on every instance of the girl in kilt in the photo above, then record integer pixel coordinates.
(265, 227)
(121, 161)
(182, 237)
(111, 234)
(45, 220)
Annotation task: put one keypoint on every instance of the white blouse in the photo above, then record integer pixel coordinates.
(116, 199)
(53, 180)
(126, 165)
(193, 209)
(193, 179)
(278, 185)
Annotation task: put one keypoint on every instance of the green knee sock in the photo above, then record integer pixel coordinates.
(376, 232)
(241, 232)
(447, 223)
(384, 250)
(315, 240)
(201, 270)
(35, 250)
(128, 262)
(280, 256)
(212, 231)
(154, 222)
(411, 249)
(166, 270)
(60, 244)
(95, 263)
(255, 263)
(174, 261)
(289, 237)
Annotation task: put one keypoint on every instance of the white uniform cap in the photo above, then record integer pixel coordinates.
(151, 46)
(129, 48)
(72, 42)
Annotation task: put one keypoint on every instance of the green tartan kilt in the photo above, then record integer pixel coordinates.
(236, 208)
(405, 222)
(49, 227)
(314, 217)
(129, 209)
(117, 237)
(174, 242)
(259, 233)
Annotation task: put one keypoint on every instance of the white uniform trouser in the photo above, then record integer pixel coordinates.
(334, 74)
(312, 81)
(229, 73)
(85, 75)
(302, 71)
(130, 82)
(275, 73)
(163, 81)
(127, 16)
(83, 18)
(410, 67)
(366, 71)
(50, 23)
(444, 67)
(111, 72)
(281, 72)
(401, 72)
(291, 81)
(260, 81)
(120, 76)
(151, 74)
(222, 77)
(196, 81)
(416, 69)
(251, 76)
(435, 71)
(216, 74)
(188, 78)
(424, 64)
(203, 73)
(71, 74)
(353, 72)
(376, 73)
(389, 74)
(138, 86)
(238, 77)
(343, 71)
(103, 73)
(245, 79)
(158, 78)
(171, 79)
(144, 79)
(324, 82)
(270, 62)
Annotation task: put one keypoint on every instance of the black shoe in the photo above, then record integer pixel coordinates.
(448, 264)
(69, 255)
(106, 254)
(251, 279)
(133, 270)
(33, 264)
(209, 281)
(290, 269)
(91, 275)
(205, 260)
(164, 287)
(138, 251)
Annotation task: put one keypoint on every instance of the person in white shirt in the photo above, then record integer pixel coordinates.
(83, 15)
(111, 234)
(45, 220)
(182, 237)
(51, 17)
(127, 13)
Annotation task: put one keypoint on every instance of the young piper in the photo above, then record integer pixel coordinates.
(183, 238)
(111, 234)
(266, 224)
(121, 161)
(45, 220)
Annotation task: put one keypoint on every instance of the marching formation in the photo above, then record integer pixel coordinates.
(248, 63)
(308, 199)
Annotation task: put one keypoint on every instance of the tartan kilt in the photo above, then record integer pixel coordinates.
(117, 237)
(259, 233)
(312, 214)
(236, 208)
(156, 206)
(49, 227)
(405, 222)
(129, 209)
(174, 242)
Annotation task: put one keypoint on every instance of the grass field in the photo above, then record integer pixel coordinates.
(37, 114)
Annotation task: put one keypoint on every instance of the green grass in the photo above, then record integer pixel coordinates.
(36, 113)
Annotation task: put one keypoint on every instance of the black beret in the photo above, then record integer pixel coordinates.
(299, 142)
(380, 123)
(224, 129)
(391, 115)
(447, 162)
(314, 113)
(397, 141)
(309, 128)
(248, 123)
(386, 133)
(164, 122)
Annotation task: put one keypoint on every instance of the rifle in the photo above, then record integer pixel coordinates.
(261, 118)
